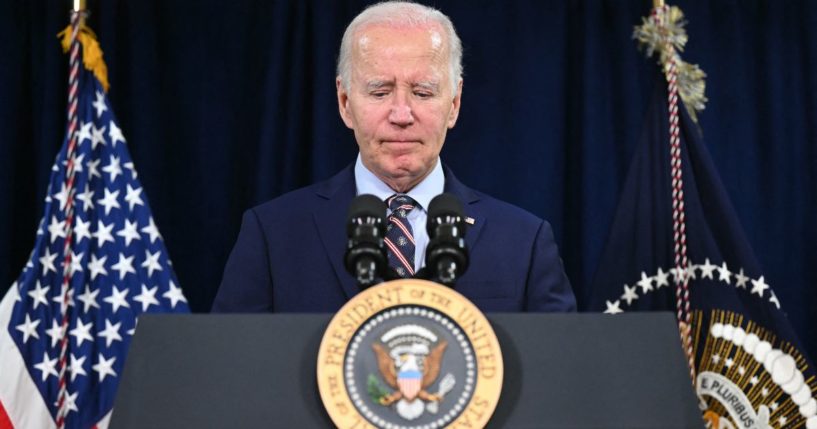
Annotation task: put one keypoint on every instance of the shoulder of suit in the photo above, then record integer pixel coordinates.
(293, 203)
(498, 210)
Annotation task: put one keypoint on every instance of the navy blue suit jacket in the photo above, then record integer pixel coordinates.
(289, 255)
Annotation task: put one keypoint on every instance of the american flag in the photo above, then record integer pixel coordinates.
(119, 270)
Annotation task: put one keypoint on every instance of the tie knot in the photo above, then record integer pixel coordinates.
(401, 204)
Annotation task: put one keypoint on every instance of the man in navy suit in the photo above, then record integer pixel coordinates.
(399, 87)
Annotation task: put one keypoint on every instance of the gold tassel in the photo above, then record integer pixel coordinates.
(667, 40)
(91, 52)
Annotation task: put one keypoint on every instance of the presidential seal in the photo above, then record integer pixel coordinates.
(409, 354)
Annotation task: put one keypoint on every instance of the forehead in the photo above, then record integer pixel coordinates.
(378, 45)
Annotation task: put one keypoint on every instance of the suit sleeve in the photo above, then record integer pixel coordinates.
(246, 286)
(548, 288)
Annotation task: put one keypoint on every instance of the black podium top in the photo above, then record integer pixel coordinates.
(561, 371)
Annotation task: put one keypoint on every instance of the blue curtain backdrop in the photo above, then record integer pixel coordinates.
(228, 104)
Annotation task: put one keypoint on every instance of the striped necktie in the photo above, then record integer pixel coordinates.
(399, 235)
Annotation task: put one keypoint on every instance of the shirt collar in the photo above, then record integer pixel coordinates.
(433, 185)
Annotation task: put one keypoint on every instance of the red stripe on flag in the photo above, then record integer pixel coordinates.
(5, 421)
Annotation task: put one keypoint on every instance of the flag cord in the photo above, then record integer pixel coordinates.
(67, 293)
(660, 15)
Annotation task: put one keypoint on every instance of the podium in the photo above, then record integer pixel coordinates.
(561, 371)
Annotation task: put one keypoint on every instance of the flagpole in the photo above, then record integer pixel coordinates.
(78, 12)
(660, 9)
(79, 7)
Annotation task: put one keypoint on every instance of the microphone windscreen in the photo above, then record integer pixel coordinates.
(367, 205)
(445, 205)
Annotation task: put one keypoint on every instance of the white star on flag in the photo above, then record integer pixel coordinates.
(47, 261)
(104, 367)
(128, 232)
(174, 295)
(103, 233)
(48, 366)
(151, 263)
(86, 198)
(117, 299)
(84, 132)
(54, 332)
(62, 197)
(109, 201)
(93, 170)
(147, 297)
(97, 266)
(29, 329)
(724, 274)
(152, 231)
(661, 278)
(76, 367)
(97, 137)
(133, 197)
(630, 294)
(38, 294)
(707, 269)
(741, 279)
(613, 307)
(88, 299)
(56, 229)
(99, 104)
(645, 283)
(82, 332)
(81, 230)
(759, 286)
(111, 332)
(115, 134)
(124, 266)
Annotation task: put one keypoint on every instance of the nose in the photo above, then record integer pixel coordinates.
(400, 113)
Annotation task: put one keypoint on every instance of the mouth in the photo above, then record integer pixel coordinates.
(400, 142)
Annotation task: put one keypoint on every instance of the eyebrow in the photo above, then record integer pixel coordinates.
(377, 84)
(431, 86)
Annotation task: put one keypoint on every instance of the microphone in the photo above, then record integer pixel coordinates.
(365, 257)
(446, 255)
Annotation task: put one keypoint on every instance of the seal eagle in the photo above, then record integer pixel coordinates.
(398, 371)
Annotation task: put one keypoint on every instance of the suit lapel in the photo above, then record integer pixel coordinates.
(469, 199)
(330, 219)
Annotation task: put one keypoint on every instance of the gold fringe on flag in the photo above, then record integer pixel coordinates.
(91, 52)
(667, 36)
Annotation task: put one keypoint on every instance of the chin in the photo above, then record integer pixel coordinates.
(405, 169)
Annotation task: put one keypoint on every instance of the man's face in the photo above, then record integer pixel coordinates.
(400, 103)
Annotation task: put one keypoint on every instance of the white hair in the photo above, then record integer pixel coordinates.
(400, 13)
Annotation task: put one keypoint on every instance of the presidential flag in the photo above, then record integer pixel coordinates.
(98, 263)
(749, 369)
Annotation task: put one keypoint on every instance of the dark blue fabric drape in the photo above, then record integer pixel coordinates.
(228, 104)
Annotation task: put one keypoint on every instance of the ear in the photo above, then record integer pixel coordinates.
(343, 103)
(455, 106)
